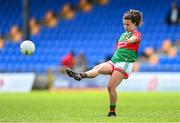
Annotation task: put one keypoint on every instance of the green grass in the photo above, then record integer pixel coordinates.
(88, 106)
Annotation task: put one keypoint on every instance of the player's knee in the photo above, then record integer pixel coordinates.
(111, 86)
(96, 67)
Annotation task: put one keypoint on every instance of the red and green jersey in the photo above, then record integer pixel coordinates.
(127, 52)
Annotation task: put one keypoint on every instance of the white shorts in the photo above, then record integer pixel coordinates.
(123, 67)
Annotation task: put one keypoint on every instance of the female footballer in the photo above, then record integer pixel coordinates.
(121, 64)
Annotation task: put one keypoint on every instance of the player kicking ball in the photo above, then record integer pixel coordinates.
(121, 64)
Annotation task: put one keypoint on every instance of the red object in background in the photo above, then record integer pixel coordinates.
(1, 82)
(68, 60)
(152, 84)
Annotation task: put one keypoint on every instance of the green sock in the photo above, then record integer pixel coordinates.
(112, 107)
(84, 75)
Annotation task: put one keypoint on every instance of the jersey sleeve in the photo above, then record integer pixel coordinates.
(138, 35)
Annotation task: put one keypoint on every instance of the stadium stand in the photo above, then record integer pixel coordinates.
(94, 33)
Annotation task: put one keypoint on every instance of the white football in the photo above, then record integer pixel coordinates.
(27, 47)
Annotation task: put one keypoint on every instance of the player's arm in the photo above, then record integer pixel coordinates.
(131, 40)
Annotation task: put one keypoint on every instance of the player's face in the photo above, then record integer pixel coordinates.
(128, 25)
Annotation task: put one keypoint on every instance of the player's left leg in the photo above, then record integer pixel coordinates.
(122, 71)
(114, 81)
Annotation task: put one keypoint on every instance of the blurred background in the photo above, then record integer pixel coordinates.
(82, 33)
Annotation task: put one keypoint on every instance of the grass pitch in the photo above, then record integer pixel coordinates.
(88, 106)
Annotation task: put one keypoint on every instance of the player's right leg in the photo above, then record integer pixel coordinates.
(104, 68)
(71, 73)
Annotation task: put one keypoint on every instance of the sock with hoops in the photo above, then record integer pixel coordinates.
(112, 108)
(84, 75)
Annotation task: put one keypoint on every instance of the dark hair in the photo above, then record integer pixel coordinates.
(135, 16)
